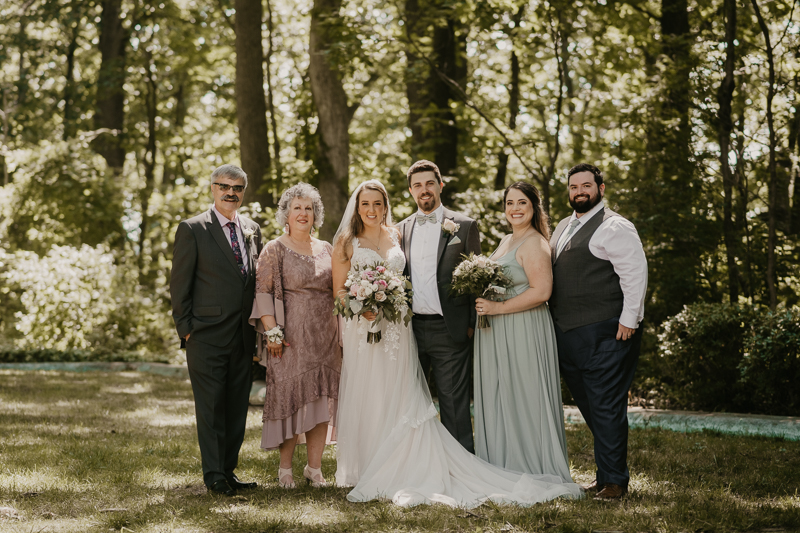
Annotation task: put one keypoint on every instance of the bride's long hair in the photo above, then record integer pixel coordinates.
(349, 229)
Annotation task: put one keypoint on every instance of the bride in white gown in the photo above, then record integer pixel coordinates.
(390, 443)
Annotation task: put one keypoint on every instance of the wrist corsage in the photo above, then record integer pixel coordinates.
(275, 335)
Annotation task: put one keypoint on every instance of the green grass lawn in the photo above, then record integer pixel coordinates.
(118, 452)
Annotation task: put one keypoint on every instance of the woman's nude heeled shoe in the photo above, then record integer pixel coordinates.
(285, 473)
(314, 477)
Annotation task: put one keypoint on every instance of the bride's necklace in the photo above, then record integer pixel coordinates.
(377, 246)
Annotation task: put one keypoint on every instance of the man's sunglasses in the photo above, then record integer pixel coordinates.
(224, 187)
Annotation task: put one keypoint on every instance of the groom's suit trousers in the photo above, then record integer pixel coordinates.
(598, 370)
(450, 363)
(220, 379)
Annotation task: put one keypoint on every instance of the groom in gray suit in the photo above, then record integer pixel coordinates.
(434, 240)
(212, 289)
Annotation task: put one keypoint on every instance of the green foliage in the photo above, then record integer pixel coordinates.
(701, 348)
(770, 368)
(598, 82)
(79, 299)
(485, 206)
(720, 357)
(61, 195)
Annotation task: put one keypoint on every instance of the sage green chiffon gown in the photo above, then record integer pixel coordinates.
(519, 418)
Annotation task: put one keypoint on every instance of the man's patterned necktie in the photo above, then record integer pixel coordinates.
(237, 252)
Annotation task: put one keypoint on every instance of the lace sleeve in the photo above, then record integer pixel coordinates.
(269, 286)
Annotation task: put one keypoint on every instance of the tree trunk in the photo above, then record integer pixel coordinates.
(172, 167)
(149, 166)
(451, 62)
(70, 127)
(251, 106)
(6, 112)
(416, 77)
(794, 148)
(773, 179)
(330, 99)
(558, 43)
(724, 129)
(742, 207)
(276, 142)
(513, 101)
(110, 111)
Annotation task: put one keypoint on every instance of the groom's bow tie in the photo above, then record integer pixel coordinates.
(422, 219)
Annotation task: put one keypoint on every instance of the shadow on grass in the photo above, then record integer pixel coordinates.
(100, 452)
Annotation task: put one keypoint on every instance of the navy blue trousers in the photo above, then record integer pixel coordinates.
(598, 370)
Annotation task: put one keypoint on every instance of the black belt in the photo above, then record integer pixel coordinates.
(428, 317)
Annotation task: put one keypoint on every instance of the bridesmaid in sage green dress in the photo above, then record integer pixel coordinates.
(519, 420)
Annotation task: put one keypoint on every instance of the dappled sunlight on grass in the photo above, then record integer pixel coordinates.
(152, 416)
(136, 388)
(78, 455)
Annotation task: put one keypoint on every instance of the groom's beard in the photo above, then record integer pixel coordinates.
(427, 205)
(583, 203)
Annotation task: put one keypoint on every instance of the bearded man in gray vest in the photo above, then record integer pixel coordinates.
(213, 287)
(599, 286)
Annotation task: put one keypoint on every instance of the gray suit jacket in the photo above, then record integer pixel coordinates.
(210, 298)
(459, 312)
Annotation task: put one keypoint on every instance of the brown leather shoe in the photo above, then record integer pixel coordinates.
(611, 491)
(592, 487)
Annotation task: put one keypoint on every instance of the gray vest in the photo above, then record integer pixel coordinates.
(585, 289)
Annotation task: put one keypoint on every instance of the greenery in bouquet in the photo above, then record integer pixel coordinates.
(479, 276)
(379, 289)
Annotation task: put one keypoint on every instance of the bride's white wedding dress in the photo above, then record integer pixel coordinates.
(391, 443)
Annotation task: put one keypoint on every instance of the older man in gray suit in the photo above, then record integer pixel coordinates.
(212, 289)
(434, 240)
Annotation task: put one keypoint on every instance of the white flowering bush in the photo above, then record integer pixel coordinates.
(80, 299)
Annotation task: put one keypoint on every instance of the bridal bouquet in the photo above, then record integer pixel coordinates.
(378, 289)
(480, 276)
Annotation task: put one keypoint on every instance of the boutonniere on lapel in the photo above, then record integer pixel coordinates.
(248, 234)
(449, 227)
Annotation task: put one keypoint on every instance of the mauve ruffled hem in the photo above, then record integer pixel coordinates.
(323, 409)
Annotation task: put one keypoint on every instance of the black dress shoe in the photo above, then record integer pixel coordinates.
(222, 487)
(234, 482)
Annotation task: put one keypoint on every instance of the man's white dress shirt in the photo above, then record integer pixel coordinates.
(424, 247)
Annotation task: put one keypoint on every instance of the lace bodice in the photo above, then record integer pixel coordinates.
(395, 258)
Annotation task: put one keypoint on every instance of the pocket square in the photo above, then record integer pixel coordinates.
(455, 240)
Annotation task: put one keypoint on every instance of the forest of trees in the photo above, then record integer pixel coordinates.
(113, 113)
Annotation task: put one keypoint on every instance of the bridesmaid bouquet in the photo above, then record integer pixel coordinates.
(378, 289)
(479, 276)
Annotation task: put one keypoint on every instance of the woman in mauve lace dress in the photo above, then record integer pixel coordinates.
(294, 298)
